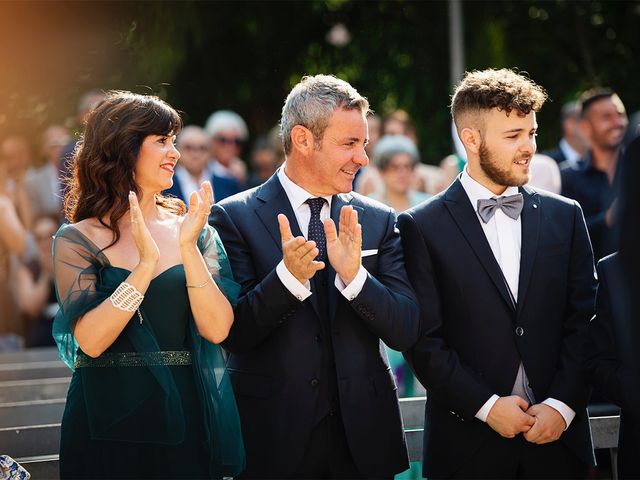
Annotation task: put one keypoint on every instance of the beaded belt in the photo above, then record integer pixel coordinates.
(134, 359)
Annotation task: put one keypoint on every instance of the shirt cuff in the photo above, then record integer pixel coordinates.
(351, 291)
(299, 290)
(567, 413)
(483, 413)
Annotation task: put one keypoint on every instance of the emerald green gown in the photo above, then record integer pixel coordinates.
(128, 414)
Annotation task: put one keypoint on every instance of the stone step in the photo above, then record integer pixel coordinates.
(43, 467)
(34, 440)
(29, 390)
(30, 355)
(33, 370)
(37, 412)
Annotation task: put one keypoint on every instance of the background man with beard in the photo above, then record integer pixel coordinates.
(505, 281)
(593, 181)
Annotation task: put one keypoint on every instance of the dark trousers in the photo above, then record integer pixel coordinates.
(327, 455)
(502, 457)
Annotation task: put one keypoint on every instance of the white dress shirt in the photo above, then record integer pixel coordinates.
(297, 197)
(504, 235)
(188, 184)
(572, 156)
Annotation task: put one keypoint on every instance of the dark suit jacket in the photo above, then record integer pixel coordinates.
(474, 337)
(612, 353)
(274, 343)
(590, 187)
(223, 187)
(556, 153)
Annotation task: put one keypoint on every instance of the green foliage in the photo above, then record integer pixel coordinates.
(246, 55)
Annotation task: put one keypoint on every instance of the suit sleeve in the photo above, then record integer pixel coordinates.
(603, 364)
(569, 384)
(387, 303)
(436, 365)
(264, 303)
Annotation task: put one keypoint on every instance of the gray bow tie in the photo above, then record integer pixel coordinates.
(511, 206)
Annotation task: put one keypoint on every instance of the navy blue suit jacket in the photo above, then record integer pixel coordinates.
(223, 187)
(273, 343)
(474, 337)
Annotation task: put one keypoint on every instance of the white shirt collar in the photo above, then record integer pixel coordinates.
(188, 183)
(570, 153)
(296, 194)
(476, 191)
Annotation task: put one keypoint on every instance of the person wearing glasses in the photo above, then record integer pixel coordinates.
(228, 133)
(193, 168)
(396, 158)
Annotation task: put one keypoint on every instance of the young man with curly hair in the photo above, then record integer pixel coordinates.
(505, 280)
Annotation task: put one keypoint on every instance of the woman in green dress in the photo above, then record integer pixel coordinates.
(145, 296)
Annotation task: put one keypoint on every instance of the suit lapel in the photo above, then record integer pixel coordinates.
(530, 222)
(274, 201)
(463, 214)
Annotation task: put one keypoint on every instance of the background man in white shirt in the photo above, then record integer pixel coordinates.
(505, 280)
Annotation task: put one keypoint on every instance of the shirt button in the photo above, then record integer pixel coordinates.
(519, 331)
(352, 298)
(314, 382)
(299, 297)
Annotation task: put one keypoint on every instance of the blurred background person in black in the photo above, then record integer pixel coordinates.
(593, 181)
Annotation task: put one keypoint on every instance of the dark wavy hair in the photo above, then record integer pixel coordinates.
(104, 159)
(503, 89)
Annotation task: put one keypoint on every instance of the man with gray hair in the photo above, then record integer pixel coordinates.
(228, 134)
(312, 381)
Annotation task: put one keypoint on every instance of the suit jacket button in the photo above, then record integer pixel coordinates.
(519, 331)
(314, 382)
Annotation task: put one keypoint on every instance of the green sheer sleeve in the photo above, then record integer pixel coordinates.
(76, 264)
(222, 422)
(116, 397)
(215, 257)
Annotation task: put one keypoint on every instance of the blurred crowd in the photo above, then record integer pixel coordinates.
(584, 166)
